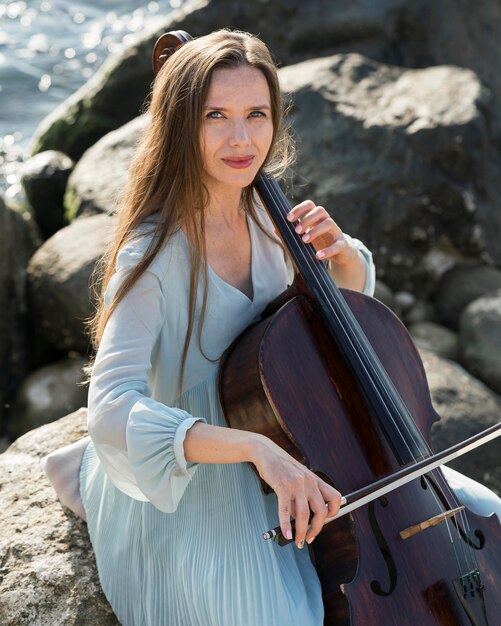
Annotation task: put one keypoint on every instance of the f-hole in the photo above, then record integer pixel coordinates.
(385, 551)
(478, 533)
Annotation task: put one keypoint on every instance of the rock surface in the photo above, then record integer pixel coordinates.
(480, 339)
(58, 279)
(464, 33)
(466, 407)
(17, 244)
(48, 575)
(93, 188)
(44, 179)
(440, 340)
(396, 155)
(47, 394)
(460, 286)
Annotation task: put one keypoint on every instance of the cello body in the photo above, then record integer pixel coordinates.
(369, 574)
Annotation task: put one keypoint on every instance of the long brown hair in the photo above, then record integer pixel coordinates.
(166, 174)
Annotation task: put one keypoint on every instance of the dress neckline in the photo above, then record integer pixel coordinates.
(215, 276)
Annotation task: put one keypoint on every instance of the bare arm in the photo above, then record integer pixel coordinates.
(351, 275)
(297, 488)
(205, 443)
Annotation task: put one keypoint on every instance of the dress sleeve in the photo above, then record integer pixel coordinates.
(370, 268)
(138, 440)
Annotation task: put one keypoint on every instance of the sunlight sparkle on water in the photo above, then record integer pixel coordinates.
(45, 82)
(50, 48)
(14, 9)
(92, 38)
(38, 42)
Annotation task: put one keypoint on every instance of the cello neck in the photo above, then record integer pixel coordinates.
(381, 396)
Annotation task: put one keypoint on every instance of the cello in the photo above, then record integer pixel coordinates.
(412, 556)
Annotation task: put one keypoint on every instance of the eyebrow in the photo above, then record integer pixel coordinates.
(217, 108)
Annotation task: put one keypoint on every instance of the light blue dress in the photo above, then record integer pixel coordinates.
(179, 544)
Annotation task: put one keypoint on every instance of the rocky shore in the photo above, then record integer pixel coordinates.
(395, 113)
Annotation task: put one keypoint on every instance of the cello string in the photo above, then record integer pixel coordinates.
(313, 264)
(302, 250)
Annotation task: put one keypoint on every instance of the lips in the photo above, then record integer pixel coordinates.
(239, 163)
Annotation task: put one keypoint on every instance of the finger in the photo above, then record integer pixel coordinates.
(317, 215)
(340, 246)
(301, 519)
(332, 498)
(300, 210)
(326, 229)
(319, 509)
(284, 515)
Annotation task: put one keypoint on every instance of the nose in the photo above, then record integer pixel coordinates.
(240, 134)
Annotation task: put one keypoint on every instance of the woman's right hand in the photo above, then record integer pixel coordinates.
(298, 490)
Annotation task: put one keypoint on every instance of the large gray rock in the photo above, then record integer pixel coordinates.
(464, 33)
(440, 340)
(58, 280)
(48, 574)
(97, 182)
(17, 244)
(480, 339)
(48, 393)
(44, 179)
(460, 286)
(384, 294)
(421, 311)
(466, 407)
(292, 28)
(398, 157)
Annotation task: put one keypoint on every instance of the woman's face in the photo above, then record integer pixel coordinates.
(237, 129)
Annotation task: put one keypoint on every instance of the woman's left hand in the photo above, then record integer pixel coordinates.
(318, 227)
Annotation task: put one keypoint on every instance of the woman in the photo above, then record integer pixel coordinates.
(174, 510)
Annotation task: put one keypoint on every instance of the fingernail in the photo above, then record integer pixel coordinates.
(298, 228)
(290, 216)
(288, 535)
(300, 544)
(310, 540)
(306, 238)
(320, 255)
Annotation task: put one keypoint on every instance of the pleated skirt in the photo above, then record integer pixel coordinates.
(206, 564)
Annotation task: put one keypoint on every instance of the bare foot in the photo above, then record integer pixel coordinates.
(63, 470)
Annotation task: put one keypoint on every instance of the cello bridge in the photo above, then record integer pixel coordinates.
(429, 523)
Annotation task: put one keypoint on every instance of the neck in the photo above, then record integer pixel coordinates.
(224, 207)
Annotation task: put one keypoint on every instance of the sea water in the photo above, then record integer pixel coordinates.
(48, 49)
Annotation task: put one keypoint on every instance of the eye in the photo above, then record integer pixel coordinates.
(257, 114)
(214, 115)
